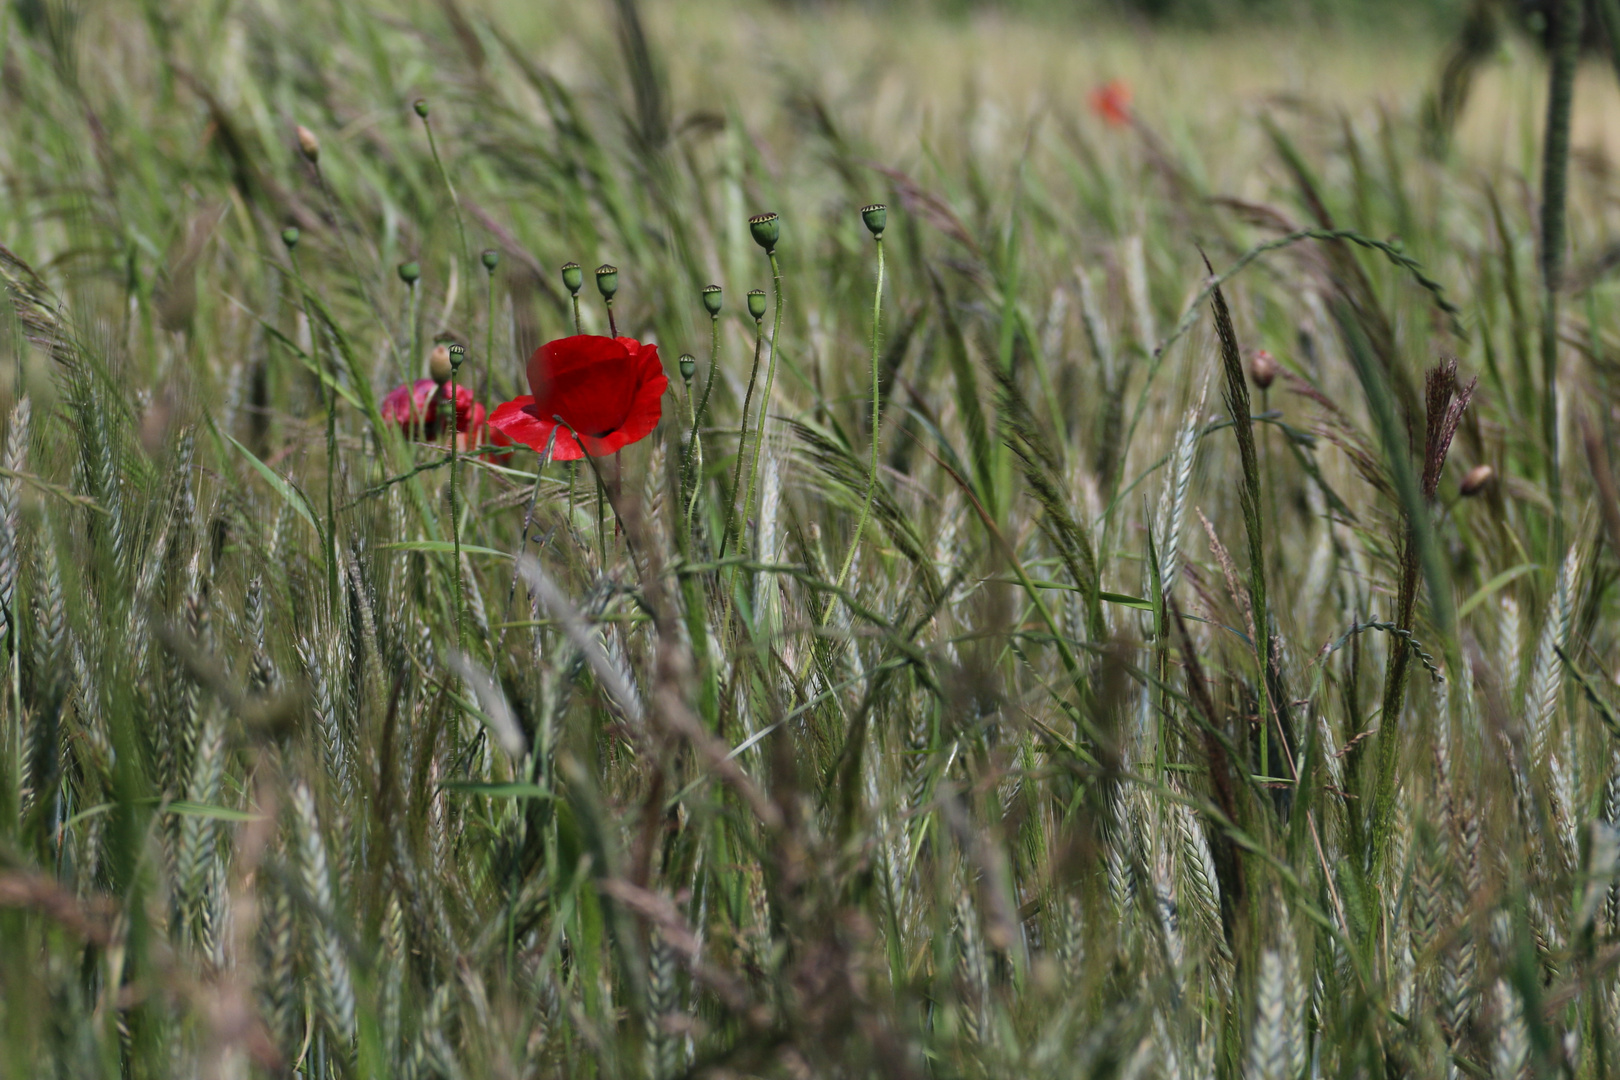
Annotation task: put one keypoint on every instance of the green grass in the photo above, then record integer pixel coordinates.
(1137, 721)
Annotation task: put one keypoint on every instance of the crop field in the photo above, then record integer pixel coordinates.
(718, 539)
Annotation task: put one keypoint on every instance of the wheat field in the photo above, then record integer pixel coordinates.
(1150, 614)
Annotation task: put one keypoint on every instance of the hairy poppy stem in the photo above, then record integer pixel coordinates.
(742, 446)
(577, 328)
(699, 413)
(877, 420)
(613, 324)
(455, 521)
(770, 377)
(330, 401)
(444, 175)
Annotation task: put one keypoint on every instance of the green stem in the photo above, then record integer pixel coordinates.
(877, 418)
(613, 324)
(455, 523)
(455, 200)
(577, 329)
(330, 401)
(489, 337)
(702, 411)
(1554, 186)
(770, 377)
(742, 446)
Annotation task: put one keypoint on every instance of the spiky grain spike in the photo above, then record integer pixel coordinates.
(15, 462)
(336, 987)
(1269, 1054)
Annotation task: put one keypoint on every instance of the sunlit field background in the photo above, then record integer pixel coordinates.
(1214, 677)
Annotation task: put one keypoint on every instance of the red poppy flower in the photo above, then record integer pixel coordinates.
(609, 390)
(420, 409)
(1112, 102)
(479, 433)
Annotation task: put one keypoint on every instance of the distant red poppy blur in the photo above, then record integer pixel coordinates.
(609, 390)
(421, 409)
(1112, 102)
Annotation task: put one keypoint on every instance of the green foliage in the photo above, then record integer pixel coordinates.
(1069, 723)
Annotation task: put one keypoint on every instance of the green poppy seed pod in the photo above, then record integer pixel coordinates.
(876, 217)
(711, 299)
(756, 303)
(573, 277)
(458, 353)
(308, 144)
(492, 259)
(767, 229)
(439, 364)
(289, 236)
(688, 365)
(409, 272)
(607, 280)
(420, 105)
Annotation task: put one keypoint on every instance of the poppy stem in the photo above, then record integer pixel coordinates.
(871, 480)
(765, 397)
(577, 329)
(613, 324)
(698, 415)
(330, 401)
(694, 461)
(455, 522)
(455, 200)
(742, 447)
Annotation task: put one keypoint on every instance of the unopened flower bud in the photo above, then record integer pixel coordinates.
(688, 365)
(439, 368)
(1263, 369)
(420, 105)
(711, 299)
(308, 144)
(767, 229)
(756, 303)
(1476, 480)
(607, 280)
(573, 277)
(289, 236)
(458, 353)
(492, 259)
(876, 217)
(409, 272)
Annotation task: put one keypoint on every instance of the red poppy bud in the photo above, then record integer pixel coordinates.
(610, 391)
(1263, 369)
(1476, 480)
(308, 144)
(439, 368)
